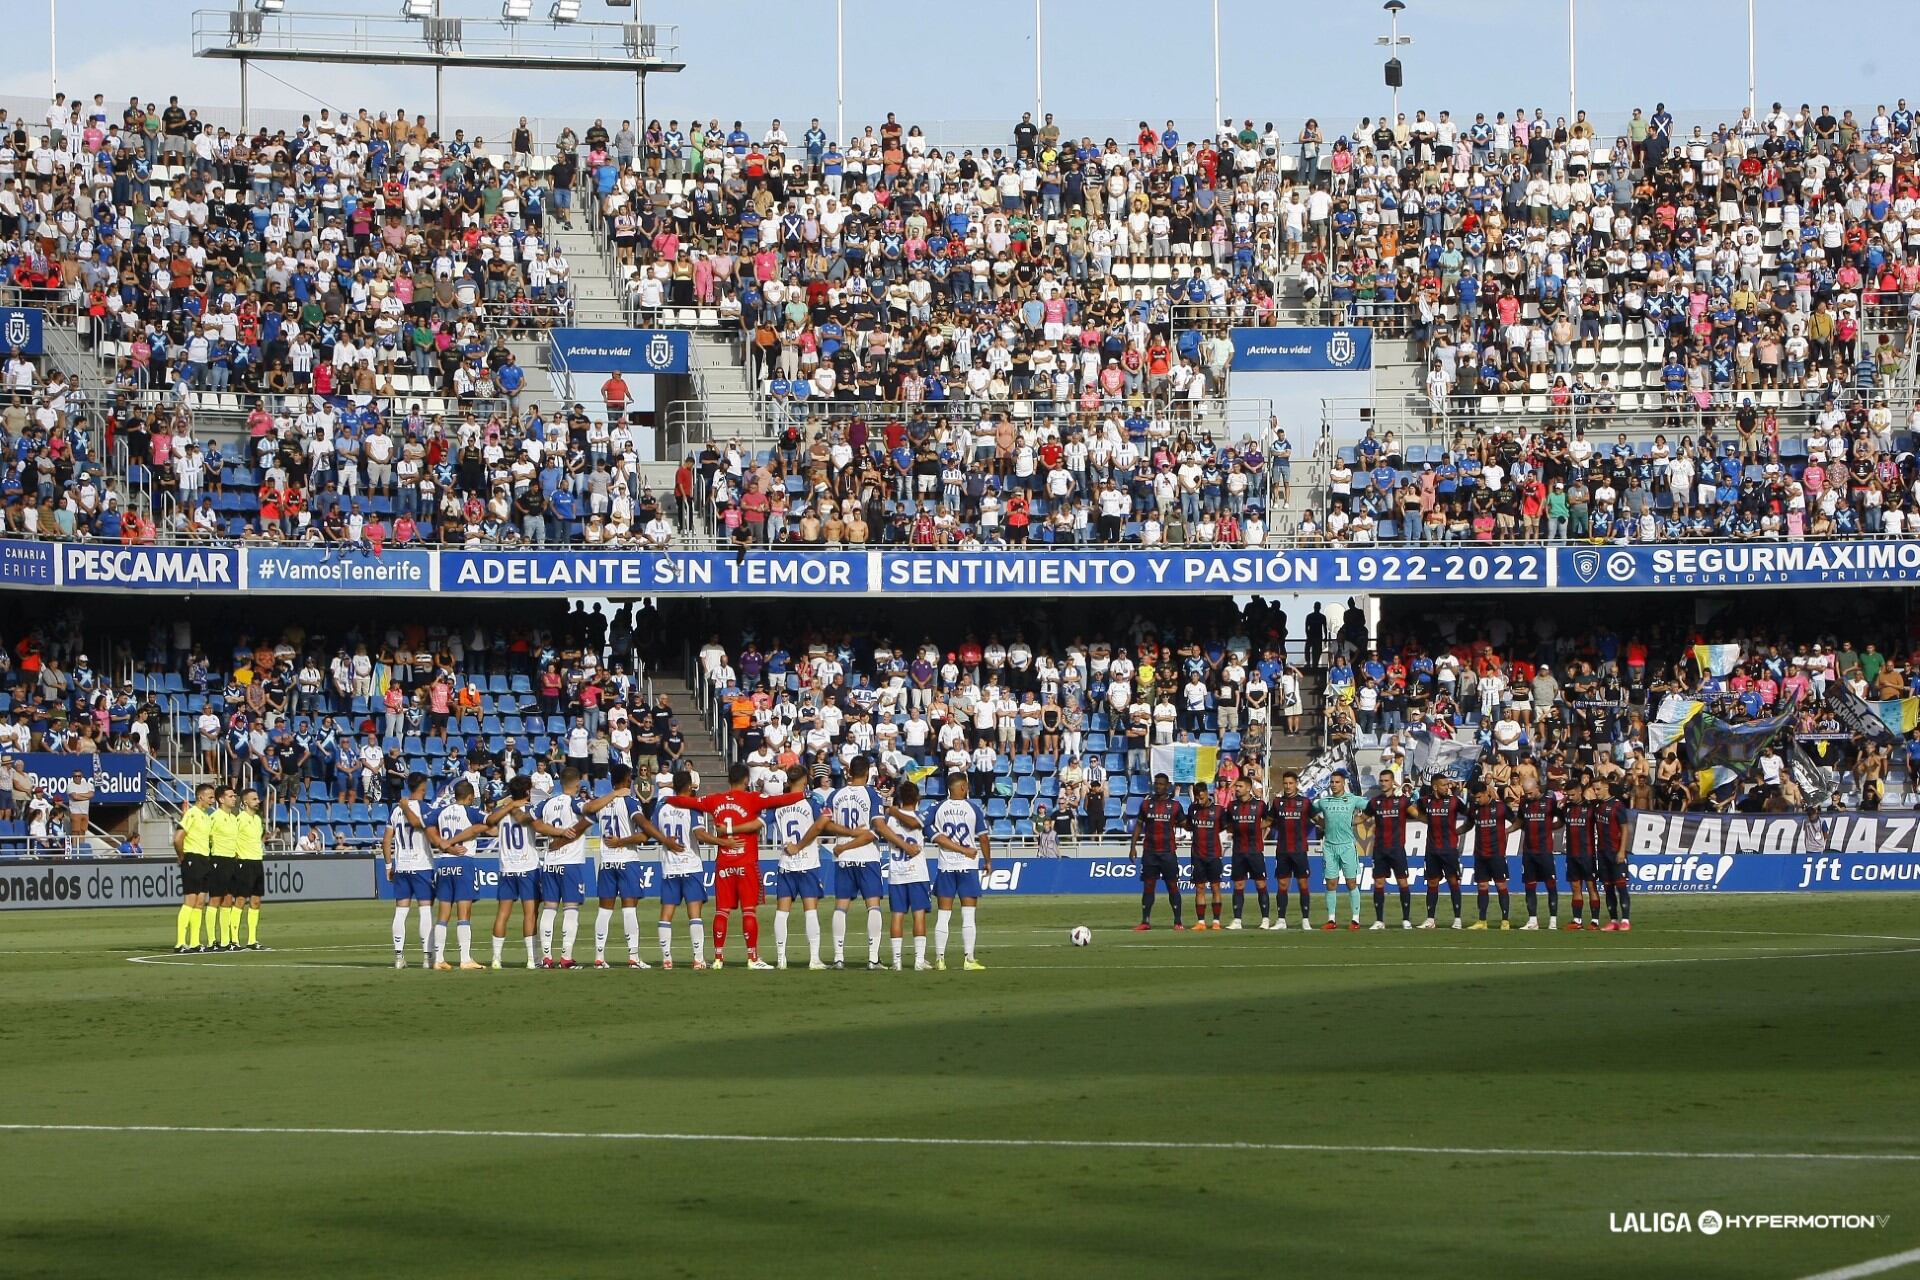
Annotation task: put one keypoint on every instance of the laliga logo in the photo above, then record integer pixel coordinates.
(659, 352)
(1340, 348)
(19, 329)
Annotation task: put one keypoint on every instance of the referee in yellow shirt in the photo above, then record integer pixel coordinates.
(193, 849)
(253, 864)
(225, 824)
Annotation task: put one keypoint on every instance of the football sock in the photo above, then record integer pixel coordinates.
(813, 936)
(898, 944)
(1406, 902)
(1146, 904)
(942, 925)
(1173, 900)
(630, 927)
(1593, 904)
(426, 926)
(1506, 901)
(873, 935)
(1379, 901)
(1579, 905)
(499, 948)
(1353, 899)
(546, 932)
(1333, 902)
(569, 930)
(1620, 888)
(399, 929)
(1216, 908)
(666, 939)
(970, 928)
(1533, 901)
(750, 926)
(464, 930)
(1306, 905)
(1433, 898)
(839, 933)
(1279, 901)
(1480, 897)
(180, 925)
(526, 940)
(1264, 900)
(697, 932)
(1240, 903)
(253, 925)
(1553, 899)
(780, 934)
(720, 919)
(1613, 901)
(439, 942)
(602, 926)
(1453, 891)
(919, 948)
(212, 923)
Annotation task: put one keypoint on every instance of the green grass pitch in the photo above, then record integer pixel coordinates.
(1156, 1104)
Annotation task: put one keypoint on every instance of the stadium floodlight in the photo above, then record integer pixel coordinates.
(416, 8)
(565, 11)
(517, 10)
(269, 6)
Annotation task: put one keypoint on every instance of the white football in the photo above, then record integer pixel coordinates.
(1081, 936)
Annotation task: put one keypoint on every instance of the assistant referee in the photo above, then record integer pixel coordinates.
(225, 886)
(253, 864)
(193, 849)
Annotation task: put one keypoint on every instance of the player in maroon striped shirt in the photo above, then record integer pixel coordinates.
(1582, 877)
(1289, 820)
(1207, 823)
(1244, 817)
(1610, 833)
(1386, 830)
(1446, 819)
(1492, 817)
(1540, 812)
(1159, 818)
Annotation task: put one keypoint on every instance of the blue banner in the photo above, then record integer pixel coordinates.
(26, 563)
(1132, 572)
(23, 329)
(305, 568)
(621, 350)
(118, 777)
(1301, 349)
(168, 569)
(1741, 564)
(1661, 873)
(827, 573)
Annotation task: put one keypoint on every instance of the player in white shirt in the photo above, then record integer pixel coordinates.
(409, 857)
(856, 867)
(683, 870)
(798, 828)
(623, 829)
(563, 869)
(908, 876)
(957, 827)
(515, 826)
(457, 824)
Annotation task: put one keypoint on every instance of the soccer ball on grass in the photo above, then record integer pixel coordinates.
(1081, 936)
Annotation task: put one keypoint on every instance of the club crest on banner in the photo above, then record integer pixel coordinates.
(1586, 565)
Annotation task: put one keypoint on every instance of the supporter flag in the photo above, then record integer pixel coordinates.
(1707, 782)
(1900, 715)
(1455, 758)
(1716, 659)
(1713, 743)
(1185, 762)
(1675, 713)
(1867, 719)
(920, 775)
(1816, 781)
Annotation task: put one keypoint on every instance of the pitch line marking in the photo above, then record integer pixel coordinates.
(1871, 1267)
(1067, 1144)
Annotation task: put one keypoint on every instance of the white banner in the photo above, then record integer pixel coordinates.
(1712, 834)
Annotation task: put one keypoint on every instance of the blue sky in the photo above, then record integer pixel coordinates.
(1105, 61)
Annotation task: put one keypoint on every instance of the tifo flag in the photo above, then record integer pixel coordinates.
(1900, 715)
(918, 776)
(1713, 742)
(1674, 715)
(1185, 762)
(1868, 719)
(1716, 659)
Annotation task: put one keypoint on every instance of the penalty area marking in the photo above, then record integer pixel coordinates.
(1058, 1144)
(1871, 1267)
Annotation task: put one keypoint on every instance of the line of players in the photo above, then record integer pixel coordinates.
(1592, 814)
(935, 855)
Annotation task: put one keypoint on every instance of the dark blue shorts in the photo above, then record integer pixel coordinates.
(957, 884)
(857, 880)
(453, 880)
(567, 883)
(622, 880)
(417, 885)
(689, 888)
(908, 897)
(518, 886)
(798, 885)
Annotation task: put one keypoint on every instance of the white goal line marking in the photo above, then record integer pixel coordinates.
(1066, 1144)
(1871, 1267)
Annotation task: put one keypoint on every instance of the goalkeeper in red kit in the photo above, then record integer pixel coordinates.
(736, 871)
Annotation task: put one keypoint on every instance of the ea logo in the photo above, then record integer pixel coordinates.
(1620, 566)
(659, 353)
(1710, 1222)
(1340, 348)
(19, 331)
(1586, 565)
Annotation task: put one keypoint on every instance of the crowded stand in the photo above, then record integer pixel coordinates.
(1053, 310)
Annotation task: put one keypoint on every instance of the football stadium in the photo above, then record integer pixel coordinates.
(665, 639)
